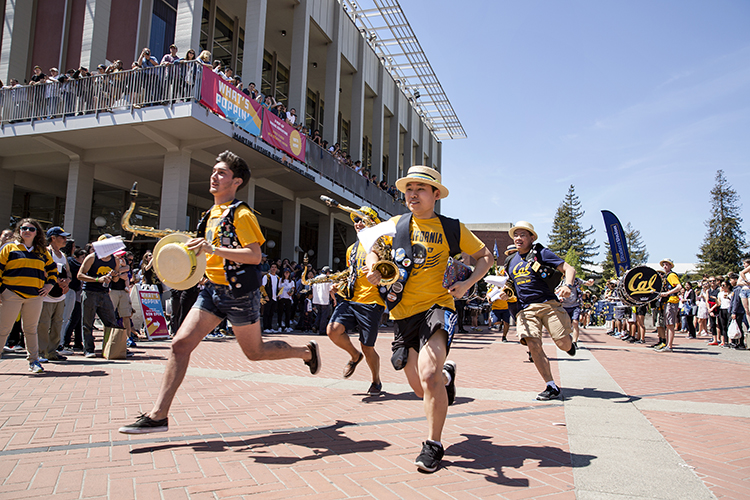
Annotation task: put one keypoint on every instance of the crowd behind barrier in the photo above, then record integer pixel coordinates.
(150, 82)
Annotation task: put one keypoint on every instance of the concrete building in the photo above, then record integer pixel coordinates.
(70, 152)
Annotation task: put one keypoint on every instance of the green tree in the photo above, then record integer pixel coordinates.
(636, 250)
(723, 246)
(567, 232)
(572, 258)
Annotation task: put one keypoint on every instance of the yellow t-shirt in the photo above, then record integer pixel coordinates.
(673, 280)
(248, 232)
(364, 291)
(430, 252)
(499, 305)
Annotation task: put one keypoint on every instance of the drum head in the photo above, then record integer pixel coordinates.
(640, 285)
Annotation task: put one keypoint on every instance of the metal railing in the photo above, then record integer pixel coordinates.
(162, 85)
(75, 95)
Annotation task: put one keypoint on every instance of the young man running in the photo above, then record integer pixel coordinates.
(363, 309)
(231, 243)
(424, 311)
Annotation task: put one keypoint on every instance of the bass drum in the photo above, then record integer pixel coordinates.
(640, 286)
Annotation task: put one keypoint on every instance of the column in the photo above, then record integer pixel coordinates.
(247, 193)
(409, 140)
(333, 79)
(16, 42)
(6, 196)
(255, 35)
(394, 138)
(95, 33)
(290, 218)
(378, 117)
(358, 103)
(187, 33)
(431, 150)
(325, 241)
(78, 199)
(300, 45)
(174, 191)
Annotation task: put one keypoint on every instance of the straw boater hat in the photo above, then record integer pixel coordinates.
(511, 249)
(669, 261)
(426, 175)
(176, 266)
(522, 224)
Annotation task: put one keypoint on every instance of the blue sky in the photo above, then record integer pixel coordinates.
(637, 104)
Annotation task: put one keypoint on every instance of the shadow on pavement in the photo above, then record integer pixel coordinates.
(479, 456)
(592, 393)
(322, 442)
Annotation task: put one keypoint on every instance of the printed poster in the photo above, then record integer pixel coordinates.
(280, 134)
(152, 312)
(228, 101)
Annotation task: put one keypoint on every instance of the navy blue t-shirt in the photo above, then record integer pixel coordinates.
(530, 288)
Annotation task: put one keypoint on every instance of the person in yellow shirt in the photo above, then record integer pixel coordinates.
(672, 307)
(231, 237)
(423, 310)
(362, 308)
(500, 314)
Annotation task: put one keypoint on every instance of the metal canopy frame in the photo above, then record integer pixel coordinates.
(387, 31)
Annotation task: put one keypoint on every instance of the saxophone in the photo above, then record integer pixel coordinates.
(144, 230)
(385, 266)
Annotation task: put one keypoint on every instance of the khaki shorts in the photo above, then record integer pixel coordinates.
(121, 302)
(549, 315)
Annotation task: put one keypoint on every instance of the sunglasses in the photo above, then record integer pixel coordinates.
(30, 229)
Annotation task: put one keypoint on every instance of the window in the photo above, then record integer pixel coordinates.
(163, 22)
(267, 83)
(223, 38)
(204, 25)
(282, 83)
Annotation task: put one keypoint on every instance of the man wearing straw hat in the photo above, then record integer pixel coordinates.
(423, 310)
(230, 235)
(538, 306)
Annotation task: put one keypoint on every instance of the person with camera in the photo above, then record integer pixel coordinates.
(532, 272)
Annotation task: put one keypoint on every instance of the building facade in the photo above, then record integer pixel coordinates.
(70, 152)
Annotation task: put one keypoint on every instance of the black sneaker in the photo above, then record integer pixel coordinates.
(548, 393)
(145, 425)
(314, 362)
(450, 367)
(429, 459)
(572, 350)
(375, 389)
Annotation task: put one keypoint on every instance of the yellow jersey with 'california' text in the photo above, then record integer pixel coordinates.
(364, 291)
(248, 232)
(430, 252)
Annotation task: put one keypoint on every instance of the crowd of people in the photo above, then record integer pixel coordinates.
(153, 87)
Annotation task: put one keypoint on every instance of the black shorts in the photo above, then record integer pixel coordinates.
(367, 316)
(414, 331)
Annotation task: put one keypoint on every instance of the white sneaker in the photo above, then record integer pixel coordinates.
(7, 349)
(64, 351)
(267, 330)
(289, 330)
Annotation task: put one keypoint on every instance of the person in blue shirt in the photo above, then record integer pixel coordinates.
(538, 306)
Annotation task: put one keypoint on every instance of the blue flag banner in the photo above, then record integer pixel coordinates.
(617, 242)
(495, 252)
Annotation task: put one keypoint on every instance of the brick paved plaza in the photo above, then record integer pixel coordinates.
(634, 424)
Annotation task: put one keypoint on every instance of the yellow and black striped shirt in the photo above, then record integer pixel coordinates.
(25, 272)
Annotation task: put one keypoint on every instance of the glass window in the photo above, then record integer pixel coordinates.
(49, 210)
(240, 54)
(267, 84)
(344, 137)
(282, 83)
(204, 25)
(163, 22)
(223, 37)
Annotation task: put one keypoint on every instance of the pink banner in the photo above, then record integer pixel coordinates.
(229, 101)
(280, 134)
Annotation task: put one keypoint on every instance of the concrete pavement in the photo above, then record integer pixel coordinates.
(634, 424)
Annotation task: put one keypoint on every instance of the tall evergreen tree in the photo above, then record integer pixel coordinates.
(572, 258)
(636, 250)
(568, 233)
(724, 243)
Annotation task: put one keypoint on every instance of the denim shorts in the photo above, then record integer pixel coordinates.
(366, 316)
(745, 292)
(219, 301)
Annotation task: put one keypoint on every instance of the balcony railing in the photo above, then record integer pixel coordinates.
(100, 93)
(163, 85)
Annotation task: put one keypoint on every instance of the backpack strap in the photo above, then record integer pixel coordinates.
(402, 247)
(452, 230)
